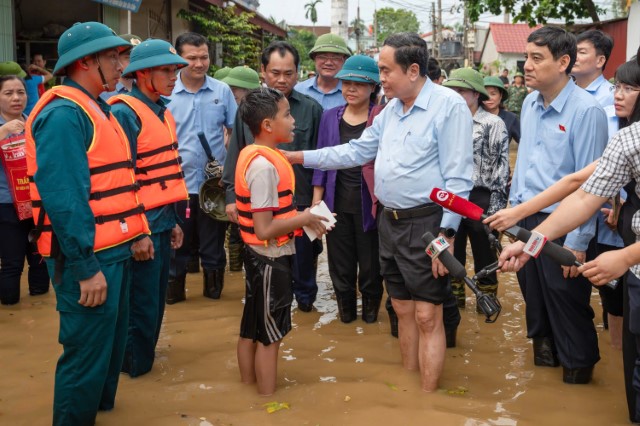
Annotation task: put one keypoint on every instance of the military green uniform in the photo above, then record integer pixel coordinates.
(150, 277)
(93, 338)
(516, 98)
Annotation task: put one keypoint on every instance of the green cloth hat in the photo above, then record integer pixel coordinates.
(467, 78)
(84, 39)
(221, 73)
(132, 39)
(11, 68)
(494, 81)
(153, 53)
(360, 68)
(242, 77)
(330, 43)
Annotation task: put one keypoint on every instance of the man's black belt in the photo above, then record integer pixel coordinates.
(419, 211)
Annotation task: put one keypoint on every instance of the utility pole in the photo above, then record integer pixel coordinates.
(434, 29)
(357, 29)
(439, 25)
(465, 39)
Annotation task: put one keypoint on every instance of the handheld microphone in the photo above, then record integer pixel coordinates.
(472, 211)
(436, 249)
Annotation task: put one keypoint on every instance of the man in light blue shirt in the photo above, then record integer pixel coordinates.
(199, 103)
(563, 130)
(328, 53)
(421, 140)
(594, 49)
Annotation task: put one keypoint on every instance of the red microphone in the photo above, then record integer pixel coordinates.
(456, 204)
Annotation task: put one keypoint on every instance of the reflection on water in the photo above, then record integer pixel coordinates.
(330, 373)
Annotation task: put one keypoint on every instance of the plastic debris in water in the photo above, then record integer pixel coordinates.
(274, 406)
(459, 390)
(391, 386)
(347, 398)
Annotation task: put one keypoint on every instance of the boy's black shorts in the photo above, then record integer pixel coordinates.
(268, 295)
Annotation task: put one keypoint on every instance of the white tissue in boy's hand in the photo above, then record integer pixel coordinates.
(320, 209)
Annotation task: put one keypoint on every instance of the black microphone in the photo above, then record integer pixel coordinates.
(489, 305)
(559, 254)
(551, 249)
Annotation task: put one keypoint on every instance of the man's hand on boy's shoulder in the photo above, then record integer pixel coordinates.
(294, 157)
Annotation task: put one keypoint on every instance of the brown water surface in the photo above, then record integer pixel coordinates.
(329, 373)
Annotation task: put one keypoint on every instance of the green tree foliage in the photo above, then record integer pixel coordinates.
(240, 40)
(311, 11)
(303, 41)
(391, 21)
(535, 12)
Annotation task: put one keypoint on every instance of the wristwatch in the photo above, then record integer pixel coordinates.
(448, 232)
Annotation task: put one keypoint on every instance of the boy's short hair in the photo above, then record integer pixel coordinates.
(601, 41)
(559, 42)
(258, 105)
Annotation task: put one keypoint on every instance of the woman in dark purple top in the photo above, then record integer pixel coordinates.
(352, 247)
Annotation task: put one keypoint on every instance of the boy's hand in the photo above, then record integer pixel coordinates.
(316, 223)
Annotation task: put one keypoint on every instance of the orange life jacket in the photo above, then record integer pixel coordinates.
(286, 187)
(119, 217)
(158, 168)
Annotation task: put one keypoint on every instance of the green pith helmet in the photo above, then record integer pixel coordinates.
(221, 73)
(330, 43)
(242, 77)
(84, 39)
(494, 81)
(11, 68)
(360, 68)
(467, 78)
(132, 39)
(153, 53)
(518, 74)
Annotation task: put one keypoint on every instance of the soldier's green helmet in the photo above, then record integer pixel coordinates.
(84, 39)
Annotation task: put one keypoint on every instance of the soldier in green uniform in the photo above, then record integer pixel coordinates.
(150, 127)
(517, 92)
(88, 217)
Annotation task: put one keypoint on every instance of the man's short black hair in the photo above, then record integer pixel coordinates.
(194, 39)
(410, 49)
(559, 42)
(258, 105)
(282, 47)
(600, 40)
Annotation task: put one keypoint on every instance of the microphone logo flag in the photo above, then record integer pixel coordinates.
(534, 245)
(443, 195)
(437, 246)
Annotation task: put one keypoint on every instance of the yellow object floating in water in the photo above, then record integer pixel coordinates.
(274, 406)
(460, 390)
(391, 386)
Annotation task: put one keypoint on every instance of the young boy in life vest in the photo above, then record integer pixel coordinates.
(268, 222)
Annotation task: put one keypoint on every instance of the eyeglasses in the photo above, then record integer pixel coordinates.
(332, 58)
(624, 89)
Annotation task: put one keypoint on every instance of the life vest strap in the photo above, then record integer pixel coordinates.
(284, 210)
(144, 170)
(115, 191)
(153, 152)
(128, 164)
(161, 179)
(119, 216)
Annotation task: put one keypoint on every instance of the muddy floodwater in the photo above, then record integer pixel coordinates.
(329, 373)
